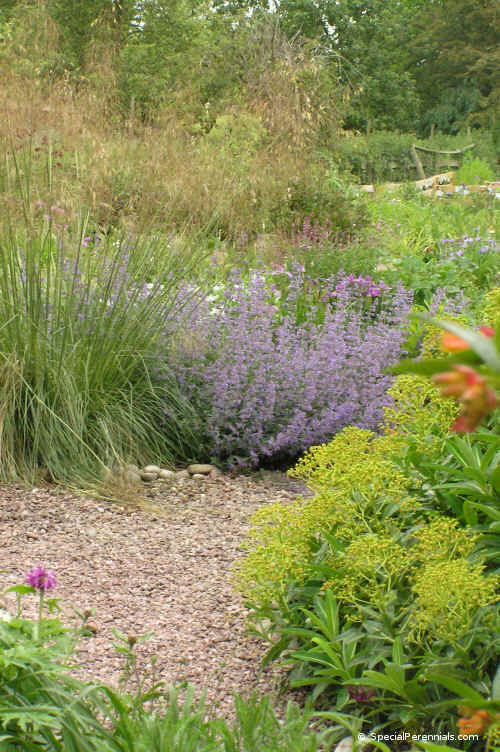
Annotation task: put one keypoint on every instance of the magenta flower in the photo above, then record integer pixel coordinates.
(361, 694)
(41, 579)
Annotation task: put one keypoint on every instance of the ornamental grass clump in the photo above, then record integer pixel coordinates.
(83, 326)
(287, 365)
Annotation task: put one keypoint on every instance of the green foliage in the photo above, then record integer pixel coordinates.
(466, 484)
(354, 475)
(491, 309)
(473, 171)
(430, 244)
(384, 156)
(43, 708)
(373, 583)
(483, 140)
(453, 110)
(455, 44)
(408, 413)
(237, 134)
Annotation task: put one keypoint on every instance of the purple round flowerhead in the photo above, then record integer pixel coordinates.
(41, 579)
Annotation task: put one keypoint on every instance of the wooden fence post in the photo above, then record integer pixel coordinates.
(418, 163)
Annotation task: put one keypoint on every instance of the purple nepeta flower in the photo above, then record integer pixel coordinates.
(41, 579)
(270, 383)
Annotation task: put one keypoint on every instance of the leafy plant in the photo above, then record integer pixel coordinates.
(366, 588)
(474, 170)
(43, 708)
(480, 716)
(466, 484)
(41, 705)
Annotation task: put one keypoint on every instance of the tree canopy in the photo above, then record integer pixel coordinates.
(402, 65)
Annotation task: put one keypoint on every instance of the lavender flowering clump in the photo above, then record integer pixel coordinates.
(41, 578)
(269, 383)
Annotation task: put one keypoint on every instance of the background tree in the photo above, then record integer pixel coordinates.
(456, 61)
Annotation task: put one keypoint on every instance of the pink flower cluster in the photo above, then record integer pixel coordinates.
(41, 579)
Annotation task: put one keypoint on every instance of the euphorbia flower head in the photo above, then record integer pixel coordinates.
(41, 579)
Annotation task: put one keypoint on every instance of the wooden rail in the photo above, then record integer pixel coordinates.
(418, 163)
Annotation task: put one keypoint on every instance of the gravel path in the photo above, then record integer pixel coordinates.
(165, 571)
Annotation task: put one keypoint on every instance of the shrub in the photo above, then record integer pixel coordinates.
(286, 364)
(384, 156)
(326, 252)
(354, 475)
(467, 265)
(474, 170)
(408, 414)
(465, 485)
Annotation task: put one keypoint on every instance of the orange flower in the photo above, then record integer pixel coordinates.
(476, 724)
(452, 343)
(471, 391)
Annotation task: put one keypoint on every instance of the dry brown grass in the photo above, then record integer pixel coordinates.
(132, 175)
(86, 157)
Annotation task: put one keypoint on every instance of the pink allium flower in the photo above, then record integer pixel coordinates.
(41, 579)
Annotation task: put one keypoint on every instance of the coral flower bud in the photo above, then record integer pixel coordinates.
(451, 383)
(488, 331)
(452, 343)
(470, 390)
(465, 424)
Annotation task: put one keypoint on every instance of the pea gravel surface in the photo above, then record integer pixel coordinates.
(164, 569)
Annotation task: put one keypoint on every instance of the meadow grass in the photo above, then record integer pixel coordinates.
(85, 324)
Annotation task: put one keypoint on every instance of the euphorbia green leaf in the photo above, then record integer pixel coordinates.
(495, 479)
(457, 686)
